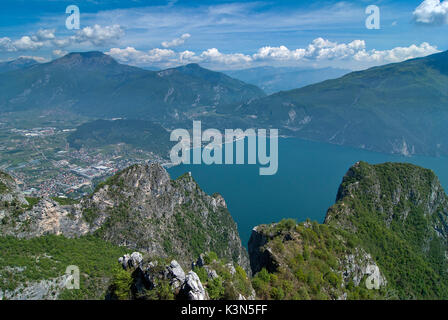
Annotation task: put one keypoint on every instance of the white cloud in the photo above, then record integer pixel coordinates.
(133, 56)
(396, 54)
(59, 53)
(98, 35)
(6, 45)
(176, 42)
(432, 12)
(214, 56)
(319, 50)
(27, 43)
(95, 36)
(35, 58)
(44, 34)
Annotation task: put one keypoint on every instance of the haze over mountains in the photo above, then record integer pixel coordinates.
(396, 108)
(275, 79)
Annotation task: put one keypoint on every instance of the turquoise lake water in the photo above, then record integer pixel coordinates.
(305, 186)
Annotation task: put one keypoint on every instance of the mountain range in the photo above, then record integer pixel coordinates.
(94, 84)
(395, 108)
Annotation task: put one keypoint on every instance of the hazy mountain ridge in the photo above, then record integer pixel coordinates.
(17, 64)
(94, 84)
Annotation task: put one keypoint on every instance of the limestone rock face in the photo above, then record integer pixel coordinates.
(193, 287)
(133, 260)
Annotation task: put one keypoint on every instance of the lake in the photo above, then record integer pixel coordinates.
(305, 186)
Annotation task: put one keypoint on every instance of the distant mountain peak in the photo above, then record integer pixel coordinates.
(91, 58)
(17, 64)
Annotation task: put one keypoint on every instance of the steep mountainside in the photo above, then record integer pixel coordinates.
(94, 84)
(390, 216)
(140, 208)
(396, 108)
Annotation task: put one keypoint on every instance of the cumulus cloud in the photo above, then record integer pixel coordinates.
(432, 12)
(27, 43)
(44, 34)
(214, 56)
(322, 49)
(396, 54)
(134, 56)
(6, 45)
(319, 50)
(176, 42)
(59, 53)
(96, 36)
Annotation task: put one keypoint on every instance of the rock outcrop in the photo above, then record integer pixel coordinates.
(160, 279)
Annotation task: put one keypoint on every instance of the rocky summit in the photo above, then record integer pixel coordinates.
(140, 208)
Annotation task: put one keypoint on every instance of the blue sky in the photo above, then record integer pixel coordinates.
(227, 34)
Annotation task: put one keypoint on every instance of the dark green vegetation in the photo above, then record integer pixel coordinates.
(275, 79)
(93, 84)
(29, 261)
(140, 134)
(396, 108)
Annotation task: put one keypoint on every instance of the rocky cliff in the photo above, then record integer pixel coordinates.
(140, 208)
